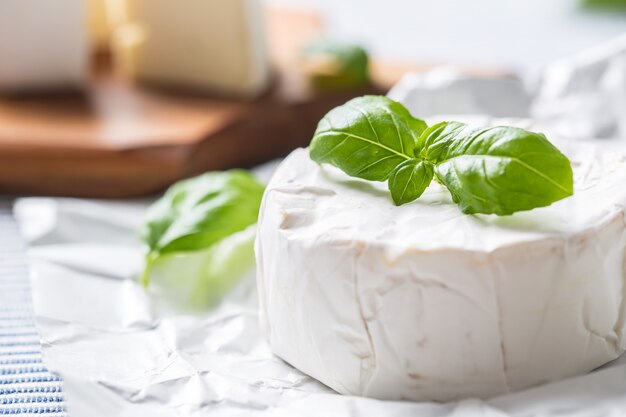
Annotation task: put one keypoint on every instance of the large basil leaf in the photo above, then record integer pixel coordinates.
(497, 170)
(197, 213)
(367, 137)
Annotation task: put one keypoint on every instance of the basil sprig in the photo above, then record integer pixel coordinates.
(495, 170)
(199, 213)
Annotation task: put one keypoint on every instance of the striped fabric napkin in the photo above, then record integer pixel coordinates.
(26, 386)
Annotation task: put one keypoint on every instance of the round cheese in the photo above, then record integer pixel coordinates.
(423, 302)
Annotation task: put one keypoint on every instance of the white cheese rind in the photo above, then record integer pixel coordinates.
(422, 302)
(43, 44)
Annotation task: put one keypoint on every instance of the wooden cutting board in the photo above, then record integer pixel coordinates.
(119, 140)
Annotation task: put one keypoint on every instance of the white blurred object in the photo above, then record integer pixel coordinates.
(447, 90)
(585, 95)
(195, 44)
(43, 44)
(582, 97)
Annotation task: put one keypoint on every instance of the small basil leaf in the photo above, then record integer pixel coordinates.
(501, 169)
(434, 141)
(196, 213)
(367, 137)
(409, 180)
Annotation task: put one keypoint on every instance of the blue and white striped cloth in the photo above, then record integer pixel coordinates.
(26, 386)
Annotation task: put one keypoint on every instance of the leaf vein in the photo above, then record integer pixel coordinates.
(323, 157)
(369, 122)
(407, 183)
(488, 180)
(462, 191)
(380, 145)
(395, 123)
(514, 159)
(368, 166)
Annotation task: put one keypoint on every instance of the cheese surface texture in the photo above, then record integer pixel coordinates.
(43, 44)
(423, 302)
(214, 45)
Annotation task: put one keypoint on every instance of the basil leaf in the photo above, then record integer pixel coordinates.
(498, 170)
(367, 137)
(197, 213)
(199, 279)
(336, 65)
(409, 180)
(435, 140)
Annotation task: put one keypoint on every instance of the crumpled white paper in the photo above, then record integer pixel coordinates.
(585, 96)
(579, 97)
(446, 90)
(126, 352)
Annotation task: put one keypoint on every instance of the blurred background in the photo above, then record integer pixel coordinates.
(121, 98)
(522, 35)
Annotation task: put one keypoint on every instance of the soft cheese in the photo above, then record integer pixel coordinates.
(422, 302)
(213, 45)
(43, 44)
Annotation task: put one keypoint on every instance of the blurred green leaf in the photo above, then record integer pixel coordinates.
(336, 65)
(605, 5)
(200, 212)
(199, 279)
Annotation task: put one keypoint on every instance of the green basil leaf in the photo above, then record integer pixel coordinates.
(197, 213)
(409, 180)
(199, 279)
(367, 137)
(336, 65)
(498, 170)
(434, 141)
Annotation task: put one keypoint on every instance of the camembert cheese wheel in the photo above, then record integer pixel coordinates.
(423, 302)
